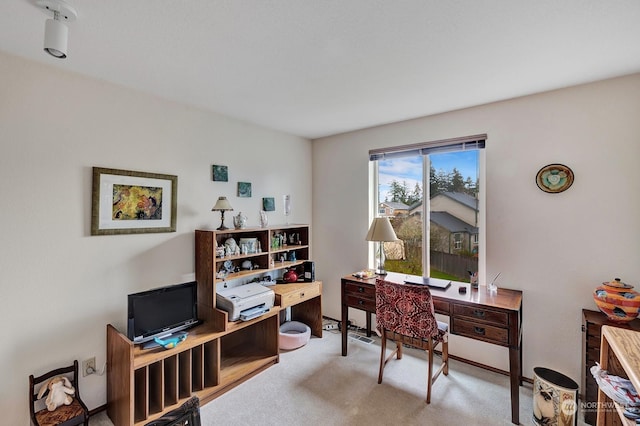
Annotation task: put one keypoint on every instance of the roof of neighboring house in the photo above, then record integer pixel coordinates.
(452, 223)
(415, 205)
(462, 198)
(395, 205)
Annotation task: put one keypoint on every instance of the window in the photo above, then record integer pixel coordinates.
(434, 189)
(457, 241)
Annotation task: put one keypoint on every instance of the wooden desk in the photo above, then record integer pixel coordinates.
(493, 317)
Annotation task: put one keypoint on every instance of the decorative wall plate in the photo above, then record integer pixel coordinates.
(554, 178)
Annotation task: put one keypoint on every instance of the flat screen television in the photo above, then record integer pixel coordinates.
(161, 312)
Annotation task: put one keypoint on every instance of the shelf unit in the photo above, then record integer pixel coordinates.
(144, 384)
(270, 260)
(592, 322)
(620, 356)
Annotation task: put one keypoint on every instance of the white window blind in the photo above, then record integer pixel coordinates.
(425, 148)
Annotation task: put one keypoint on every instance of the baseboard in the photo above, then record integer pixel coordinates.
(97, 410)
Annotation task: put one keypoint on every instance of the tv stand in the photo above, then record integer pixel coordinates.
(145, 384)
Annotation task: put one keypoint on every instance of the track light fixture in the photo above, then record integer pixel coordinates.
(55, 31)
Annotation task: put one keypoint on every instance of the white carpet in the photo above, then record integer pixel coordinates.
(315, 385)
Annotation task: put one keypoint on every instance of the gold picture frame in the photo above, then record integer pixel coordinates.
(131, 202)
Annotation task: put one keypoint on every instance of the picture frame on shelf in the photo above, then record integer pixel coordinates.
(132, 202)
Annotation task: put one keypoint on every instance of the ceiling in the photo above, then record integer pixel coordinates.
(315, 68)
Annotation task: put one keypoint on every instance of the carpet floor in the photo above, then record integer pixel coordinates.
(315, 385)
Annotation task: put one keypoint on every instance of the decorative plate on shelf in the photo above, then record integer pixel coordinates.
(554, 178)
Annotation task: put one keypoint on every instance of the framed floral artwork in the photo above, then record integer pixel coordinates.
(129, 202)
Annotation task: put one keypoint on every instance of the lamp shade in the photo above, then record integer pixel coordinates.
(222, 205)
(381, 230)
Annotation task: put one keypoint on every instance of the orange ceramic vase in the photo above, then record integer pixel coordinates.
(617, 300)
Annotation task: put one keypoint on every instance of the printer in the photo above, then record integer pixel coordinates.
(245, 302)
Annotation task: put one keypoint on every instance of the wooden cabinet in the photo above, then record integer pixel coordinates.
(145, 384)
(271, 254)
(620, 356)
(592, 322)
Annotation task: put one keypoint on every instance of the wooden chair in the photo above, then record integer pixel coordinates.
(66, 415)
(405, 314)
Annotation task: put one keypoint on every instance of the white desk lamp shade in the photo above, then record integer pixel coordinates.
(222, 205)
(380, 231)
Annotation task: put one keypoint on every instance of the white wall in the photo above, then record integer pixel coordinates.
(59, 285)
(555, 247)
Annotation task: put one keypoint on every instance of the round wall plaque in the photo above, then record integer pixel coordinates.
(554, 178)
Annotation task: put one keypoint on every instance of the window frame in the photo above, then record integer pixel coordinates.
(434, 147)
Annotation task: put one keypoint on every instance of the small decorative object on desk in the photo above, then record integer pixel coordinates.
(492, 286)
(473, 279)
(365, 274)
(617, 300)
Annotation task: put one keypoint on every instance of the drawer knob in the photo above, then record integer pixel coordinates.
(478, 313)
(361, 289)
(360, 302)
(301, 294)
(479, 330)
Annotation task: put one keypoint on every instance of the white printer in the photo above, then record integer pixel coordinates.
(245, 302)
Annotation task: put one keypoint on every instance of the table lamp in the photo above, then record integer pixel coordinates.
(222, 205)
(381, 231)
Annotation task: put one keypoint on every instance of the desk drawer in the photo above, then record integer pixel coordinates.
(360, 290)
(360, 302)
(442, 307)
(485, 315)
(480, 331)
(298, 293)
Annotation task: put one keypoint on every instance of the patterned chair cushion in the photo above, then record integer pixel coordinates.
(407, 309)
(60, 414)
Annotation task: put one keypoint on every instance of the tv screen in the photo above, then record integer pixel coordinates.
(161, 311)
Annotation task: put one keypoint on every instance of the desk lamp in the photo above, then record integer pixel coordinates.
(381, 231)
(222, 205)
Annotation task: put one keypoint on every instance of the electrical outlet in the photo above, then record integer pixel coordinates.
(88, 366)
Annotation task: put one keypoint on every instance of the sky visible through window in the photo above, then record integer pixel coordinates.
(409, 169)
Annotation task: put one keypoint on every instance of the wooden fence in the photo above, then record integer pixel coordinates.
(453, 264)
